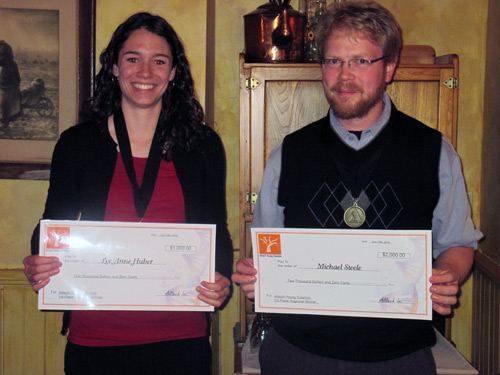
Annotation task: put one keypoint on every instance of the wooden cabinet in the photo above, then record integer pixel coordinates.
(276, 99)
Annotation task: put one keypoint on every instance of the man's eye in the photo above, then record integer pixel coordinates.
(362, 61)
(332, 62)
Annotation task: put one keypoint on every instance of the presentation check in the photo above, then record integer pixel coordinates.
(127, 266)
(363, 273)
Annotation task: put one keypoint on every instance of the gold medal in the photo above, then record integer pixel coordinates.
(354, 216)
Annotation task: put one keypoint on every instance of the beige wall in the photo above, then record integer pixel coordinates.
(450, 26)
(21, 205)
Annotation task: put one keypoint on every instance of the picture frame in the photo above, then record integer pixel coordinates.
(30, 158)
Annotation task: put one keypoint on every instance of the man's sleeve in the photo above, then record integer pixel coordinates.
(452, 223)
(267, 213)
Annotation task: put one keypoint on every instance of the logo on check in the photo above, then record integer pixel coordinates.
(269, 243)
(57, 237)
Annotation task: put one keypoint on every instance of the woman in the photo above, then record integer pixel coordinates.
(143, 121)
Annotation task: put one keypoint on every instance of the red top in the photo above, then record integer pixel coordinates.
(113, 328)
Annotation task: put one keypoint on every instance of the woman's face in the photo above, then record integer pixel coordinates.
(144, 70)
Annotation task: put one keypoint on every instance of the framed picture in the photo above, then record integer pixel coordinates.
(47, 59)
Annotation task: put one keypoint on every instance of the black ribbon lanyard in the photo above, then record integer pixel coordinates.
(142, 194)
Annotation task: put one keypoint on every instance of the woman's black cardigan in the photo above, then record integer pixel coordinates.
(82, 168)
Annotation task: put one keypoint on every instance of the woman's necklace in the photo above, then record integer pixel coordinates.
(142, 194)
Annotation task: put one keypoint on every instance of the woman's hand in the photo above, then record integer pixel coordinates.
(38, 270)
(215, 293)
(245, 276)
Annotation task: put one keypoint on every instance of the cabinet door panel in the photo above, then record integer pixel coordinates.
(287, 98)
(291, 105)
(417, 99)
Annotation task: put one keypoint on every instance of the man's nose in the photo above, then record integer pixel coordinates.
(345, 71)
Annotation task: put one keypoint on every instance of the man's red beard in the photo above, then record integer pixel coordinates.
(345, 109)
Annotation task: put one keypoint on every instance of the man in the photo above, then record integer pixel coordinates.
(364, 152)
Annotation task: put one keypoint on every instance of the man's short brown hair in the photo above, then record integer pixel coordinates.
(368, 18)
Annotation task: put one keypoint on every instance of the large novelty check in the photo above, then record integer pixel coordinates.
(127, 266)
(364, 273)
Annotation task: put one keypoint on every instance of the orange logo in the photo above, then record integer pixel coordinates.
(269, 243)
(58, 237)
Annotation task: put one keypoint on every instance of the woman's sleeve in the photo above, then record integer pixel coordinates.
(62, 202)
(215, 209)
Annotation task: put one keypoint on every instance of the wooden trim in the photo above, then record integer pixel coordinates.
(12, 277)
(485, 317)
(86, 50)
(488, 266)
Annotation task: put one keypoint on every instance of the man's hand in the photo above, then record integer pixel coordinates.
(450, 270)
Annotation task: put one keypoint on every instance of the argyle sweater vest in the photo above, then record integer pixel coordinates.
(395, 180)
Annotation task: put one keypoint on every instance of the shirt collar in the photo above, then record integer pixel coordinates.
(368, 134)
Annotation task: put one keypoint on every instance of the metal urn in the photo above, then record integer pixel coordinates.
(274, 32)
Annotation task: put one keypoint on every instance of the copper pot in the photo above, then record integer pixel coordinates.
(274, 32)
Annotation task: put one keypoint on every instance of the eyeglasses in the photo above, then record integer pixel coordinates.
(357, 64)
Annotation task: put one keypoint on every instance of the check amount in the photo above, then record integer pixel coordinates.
(393, 255)
(186, 248)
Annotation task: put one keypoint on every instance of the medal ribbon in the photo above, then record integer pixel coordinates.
(356, 176)
(142, 194)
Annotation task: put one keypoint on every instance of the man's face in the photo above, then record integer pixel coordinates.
(355, 93)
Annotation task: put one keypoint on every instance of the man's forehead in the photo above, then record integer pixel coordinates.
(353, 36)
